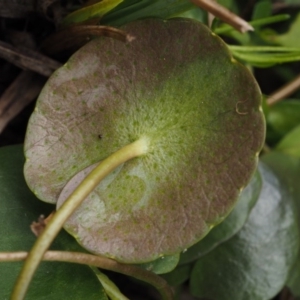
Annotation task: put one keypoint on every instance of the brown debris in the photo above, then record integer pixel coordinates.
(32, 21)
(16, 9)
(51, 10)
(28, 59)
(45, 5)
(38, 227)
(286, 294)
(24, 89)
(20, 39)
(77, 35)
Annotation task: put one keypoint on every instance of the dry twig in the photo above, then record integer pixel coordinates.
(28, 59)
(75, 36)
(224, 14)
(284, 91)
(24, 89)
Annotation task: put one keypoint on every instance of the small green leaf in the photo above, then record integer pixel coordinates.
(96, 10)
(111, 289)
(19, 208)
(290, 144)
(230, 226)
(138, 10)
(254, 264)
(291, 38)
(164, 264)
(262, 9)
(293, 281)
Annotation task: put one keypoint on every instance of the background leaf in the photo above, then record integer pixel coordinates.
(290, 38)
(257, 260)
(179, 275)
(96, 10)
(195, 13)
(230, 226)
(290, 143)
(284, 116)
(262, 9)
(287, 169)
(19, 208)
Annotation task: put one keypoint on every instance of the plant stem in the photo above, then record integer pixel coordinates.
(110, 288)
(267, 58)
(224, 14)
(101, 262)
(43, 242)
(67, 38)
(284, 91)
(256, 23)
(263, 49)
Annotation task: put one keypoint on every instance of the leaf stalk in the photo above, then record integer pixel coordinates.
(101, 262)
(43, 242)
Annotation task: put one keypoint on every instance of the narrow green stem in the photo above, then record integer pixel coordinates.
(259, 58)
(263, 49)
(256, 23)
(110, 288)
(101, 262)
(270, 20)
(43, 242)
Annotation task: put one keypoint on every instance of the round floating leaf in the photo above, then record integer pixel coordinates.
(255, 263)
(19, 208)
(176, 86)
(230, 226)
